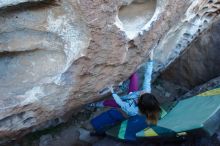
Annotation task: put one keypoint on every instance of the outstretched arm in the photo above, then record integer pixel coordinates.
(147, 77)
(147, 74)
(129, 109)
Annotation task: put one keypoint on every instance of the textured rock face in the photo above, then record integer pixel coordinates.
(197, 65)
(201, 61)
(55, 56)
(198, 17)
(36, 47)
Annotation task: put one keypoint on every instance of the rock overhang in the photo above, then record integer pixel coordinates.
(90, 53)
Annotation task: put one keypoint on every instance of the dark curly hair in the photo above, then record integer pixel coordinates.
(149, 106)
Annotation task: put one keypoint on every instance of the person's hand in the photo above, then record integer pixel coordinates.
(111, 89)
(151, 55)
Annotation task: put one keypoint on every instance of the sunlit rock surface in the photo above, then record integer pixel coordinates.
(55, 56)
(199, 16)
(137, 14)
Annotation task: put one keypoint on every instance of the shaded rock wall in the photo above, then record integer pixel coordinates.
(200, 62)
(56, 56)
(197, 65)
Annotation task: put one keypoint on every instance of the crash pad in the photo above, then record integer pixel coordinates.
(198, 112)
(155, 131)
(127, 129)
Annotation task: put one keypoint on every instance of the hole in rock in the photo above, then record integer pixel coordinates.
(136, 15)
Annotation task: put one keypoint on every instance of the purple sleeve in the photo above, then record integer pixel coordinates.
(133, 85)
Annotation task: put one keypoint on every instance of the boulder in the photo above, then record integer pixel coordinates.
(55, 56)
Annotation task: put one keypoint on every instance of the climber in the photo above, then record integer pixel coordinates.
(129, 102)
(133, 92)
(147, 103)
(129, 105)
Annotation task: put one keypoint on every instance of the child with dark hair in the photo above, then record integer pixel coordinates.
(129, 103)
(149, 106)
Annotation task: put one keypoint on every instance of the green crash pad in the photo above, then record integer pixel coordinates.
(127, 129)
(198, 112)
(155, 131)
